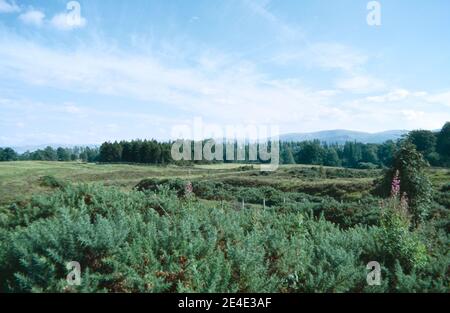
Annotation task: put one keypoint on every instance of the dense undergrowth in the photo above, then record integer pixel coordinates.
(164, 240)
(365, 210)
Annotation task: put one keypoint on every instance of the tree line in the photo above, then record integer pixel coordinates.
(85, 154)
(136, 151)
(351, 154)
(434, 146)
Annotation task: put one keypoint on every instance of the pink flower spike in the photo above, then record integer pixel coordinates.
(395, 187)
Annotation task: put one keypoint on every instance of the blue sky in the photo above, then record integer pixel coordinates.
(135, 69)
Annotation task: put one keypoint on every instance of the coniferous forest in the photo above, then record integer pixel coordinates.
(434, 147)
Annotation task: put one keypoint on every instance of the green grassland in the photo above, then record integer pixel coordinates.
(20, 180)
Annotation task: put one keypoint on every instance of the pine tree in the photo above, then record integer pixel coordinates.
(287, 157)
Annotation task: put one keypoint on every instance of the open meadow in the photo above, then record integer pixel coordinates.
(214, 228)
(20, 180)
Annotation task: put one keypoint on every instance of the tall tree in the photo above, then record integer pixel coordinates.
(127, 152)
(109, 153)
(369, 153)
(410, 166)
(146, 152)
(386, 152)
(136, 151)
(352, 154)
(49, 154)
(8, 154)
(116, 151)
(331, 157)
(311, 153)
(424, 140)
(443, 141)
(287, 157)
(63, 154)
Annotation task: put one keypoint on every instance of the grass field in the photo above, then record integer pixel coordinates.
(20, 180)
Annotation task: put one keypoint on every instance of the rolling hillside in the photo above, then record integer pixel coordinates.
(341, 136)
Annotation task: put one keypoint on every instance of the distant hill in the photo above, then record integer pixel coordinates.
(341, 136)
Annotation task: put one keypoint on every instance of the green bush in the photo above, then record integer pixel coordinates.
(399, 244)
(155, 241)
(52, 182)
(410, 166)
(367, 166)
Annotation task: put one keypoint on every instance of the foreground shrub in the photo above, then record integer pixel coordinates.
(52, 182)
(399, 244)
(157, 242)
(410, 166)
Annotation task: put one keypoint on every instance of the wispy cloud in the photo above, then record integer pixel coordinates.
(23, 118)
(234, 91)
(225, 89)
(284, 29)
(65, 21)
(33, 17)
(396, 95)
(325, 55)
(336, 56)
(356, 83)
(7, 6)
(68, 20)
(443, 98)
(398, 106)
(97, 88)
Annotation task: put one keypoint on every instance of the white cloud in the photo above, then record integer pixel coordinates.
(231, 91)
(360, 84)
(396, 95)
(285, 31)
(221, 89)
(401, 95)
(193, 19)
(23, 122)
(413, 115)
(329, 56)
(33, 17)
(337, 56)
(62, 21)
(72, 109)
(400, 108)
(66, 21)
(442, 98)
(8, 6)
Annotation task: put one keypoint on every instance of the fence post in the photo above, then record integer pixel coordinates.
(264, 203)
